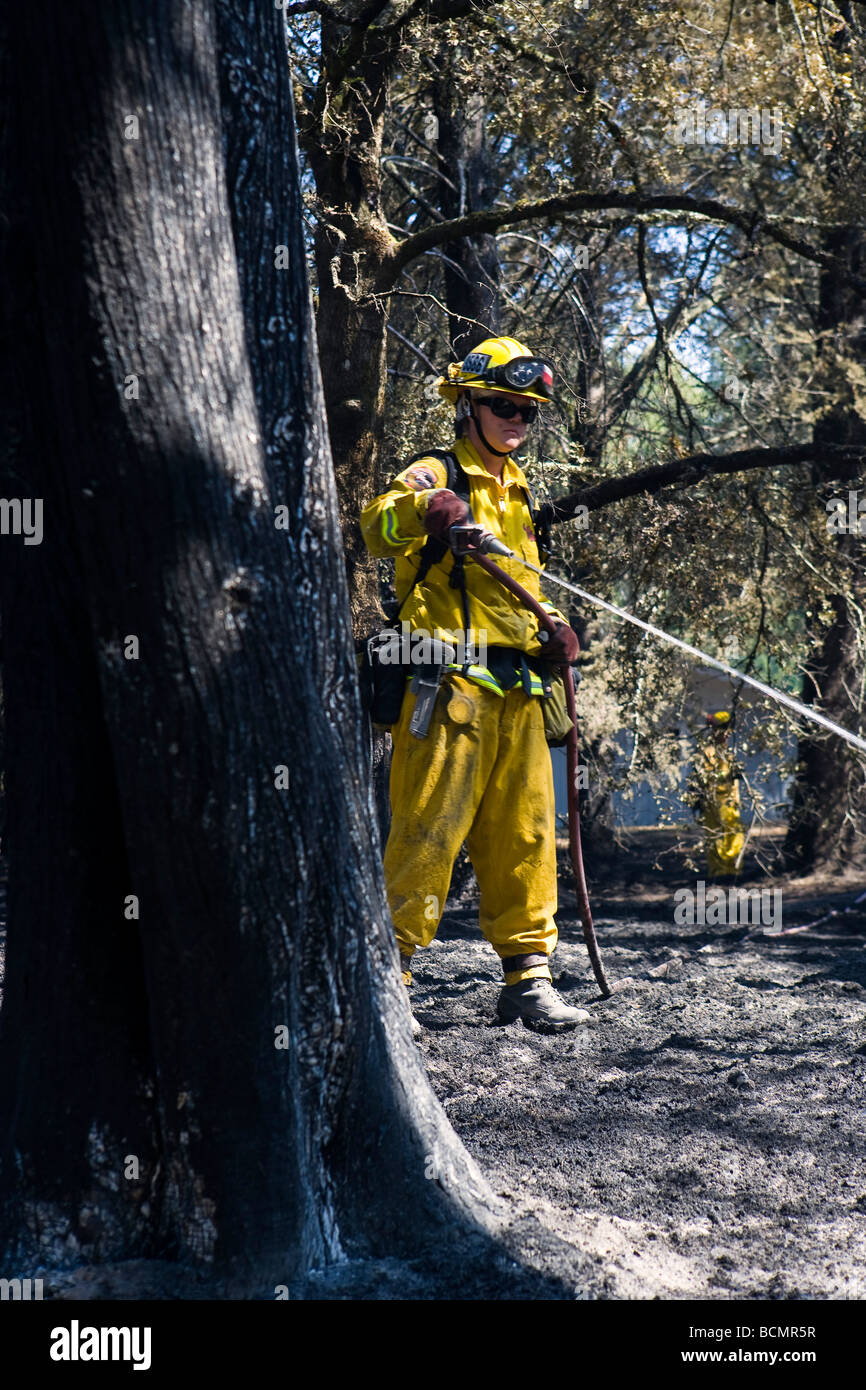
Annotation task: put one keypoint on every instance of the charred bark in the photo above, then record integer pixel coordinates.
(342, 134)
(174, 430)
(471, 269)
(828, 813)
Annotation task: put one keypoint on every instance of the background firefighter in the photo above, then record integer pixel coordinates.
(714, 793)
(482, 775)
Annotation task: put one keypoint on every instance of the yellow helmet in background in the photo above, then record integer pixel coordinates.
(500, 364)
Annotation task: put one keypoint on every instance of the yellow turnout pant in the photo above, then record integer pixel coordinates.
(486, 780)
(723, 832)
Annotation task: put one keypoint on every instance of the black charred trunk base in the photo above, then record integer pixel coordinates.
(171, 657)
(86, 1055)
(827, 827)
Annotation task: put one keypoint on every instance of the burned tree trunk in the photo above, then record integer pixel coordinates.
(205, 1049)
(471, 270)
(828, 815)
(342, 134)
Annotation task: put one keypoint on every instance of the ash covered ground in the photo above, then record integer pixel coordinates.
(704, 1139)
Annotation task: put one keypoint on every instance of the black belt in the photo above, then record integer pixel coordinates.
(510, 665)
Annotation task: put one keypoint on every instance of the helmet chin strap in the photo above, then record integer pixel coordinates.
(500, 453)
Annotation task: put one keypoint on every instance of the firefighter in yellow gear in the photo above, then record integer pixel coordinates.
(716, 797)
(482, 774)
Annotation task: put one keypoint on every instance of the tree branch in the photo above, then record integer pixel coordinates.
(441, 10)
(680, 316)
(549, 209)
(413, 347)
(415, 194)
(693, 469)
(320, 7)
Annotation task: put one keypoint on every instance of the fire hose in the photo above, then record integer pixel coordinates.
(473, 541)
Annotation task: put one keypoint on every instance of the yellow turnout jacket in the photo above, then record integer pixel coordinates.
(393, 526)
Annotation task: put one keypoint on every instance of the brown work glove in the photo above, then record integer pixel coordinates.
(562, 645)
(444, 510)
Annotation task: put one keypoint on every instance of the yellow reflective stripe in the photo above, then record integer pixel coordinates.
(481, 676)
(389, 527)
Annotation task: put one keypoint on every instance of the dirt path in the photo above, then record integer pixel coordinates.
(705, 1138)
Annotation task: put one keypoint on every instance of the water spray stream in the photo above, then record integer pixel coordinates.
(803, 710)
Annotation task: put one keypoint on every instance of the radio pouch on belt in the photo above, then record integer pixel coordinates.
(382, 674)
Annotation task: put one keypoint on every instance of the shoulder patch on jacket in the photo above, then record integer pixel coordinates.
(425, 474)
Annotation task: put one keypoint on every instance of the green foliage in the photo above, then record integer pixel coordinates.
(673, 332)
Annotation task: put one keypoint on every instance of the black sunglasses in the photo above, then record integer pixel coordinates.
(506, 410)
